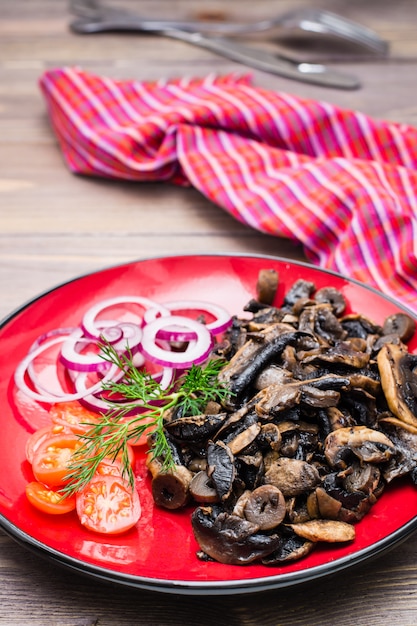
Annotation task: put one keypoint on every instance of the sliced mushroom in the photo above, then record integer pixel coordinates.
(221, 468)
(229, 538)
(319, 398)
(269, 437)
(272, 375)
(390, 419)
(279, 397)
(360, 326)
(354, 515)
(243, 439)
(171, 488)
(196, 428)
(329, 531)
(362, 477)
(297, 510)
(301, 304)
(367, 444)
(292, 476)
(202, 490)
(300, 289)
(322, 322)
(405, 460)
(249, 350)
(251, 468)
(239, 506)
(365, 382)
(328, 507)
(339, 419)
(292, 548)
(265, 506)
(400, 324)
(342, 353)
(399, 382)
(259, 360)
(332, 296)
(267, 285)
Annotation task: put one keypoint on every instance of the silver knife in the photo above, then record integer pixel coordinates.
(247, 55)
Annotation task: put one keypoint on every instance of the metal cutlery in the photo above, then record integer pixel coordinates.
(303, 22)
(93, 17)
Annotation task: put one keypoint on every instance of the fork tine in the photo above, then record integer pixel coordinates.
(349, 30)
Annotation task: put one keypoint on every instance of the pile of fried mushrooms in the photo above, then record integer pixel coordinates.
(322, 416)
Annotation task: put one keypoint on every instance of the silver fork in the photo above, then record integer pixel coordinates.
(303, 22)
(96, 19)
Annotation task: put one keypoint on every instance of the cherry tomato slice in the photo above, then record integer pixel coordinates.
(47, 500)
(52, 458)
(40, 435)
(108, 467)
(108, 505)
(130, 455)
(143, 439)
(74, 416)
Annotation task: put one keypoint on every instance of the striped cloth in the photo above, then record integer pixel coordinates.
(342, 184)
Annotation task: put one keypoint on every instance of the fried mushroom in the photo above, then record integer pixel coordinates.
(329, 531)
(399, 382)
(292, 476)
(229, 538)
(367, 444)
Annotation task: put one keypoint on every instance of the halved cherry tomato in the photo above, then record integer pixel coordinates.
(36, 438)
(107, 467)
(74, 416)
(47, 500)
(108, 505)
(142, 440)
(52, 458)
(130, 455)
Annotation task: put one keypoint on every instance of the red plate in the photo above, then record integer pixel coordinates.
(160, 554)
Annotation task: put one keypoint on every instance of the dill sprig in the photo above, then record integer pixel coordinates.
(144, 397)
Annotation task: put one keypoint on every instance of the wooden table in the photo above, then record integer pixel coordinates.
(55, 226)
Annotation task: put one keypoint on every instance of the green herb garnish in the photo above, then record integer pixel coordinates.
(188, 394)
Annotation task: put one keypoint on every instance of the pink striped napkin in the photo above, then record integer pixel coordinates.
(341, 183)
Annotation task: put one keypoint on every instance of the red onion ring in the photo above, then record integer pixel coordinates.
(195, 352)
(89, 322)
(221, 322)
(126, 336)
(152, 341)
(47, 396)
(75, 360)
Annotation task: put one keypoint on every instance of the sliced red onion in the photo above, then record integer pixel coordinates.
(75, 360)
(160, 327)
(47, 396)
(131, 337)
(221, 322)
(164, 377)
(113, 334)
(89, 322)
(55, 332)
(195, 352)
(126, 336)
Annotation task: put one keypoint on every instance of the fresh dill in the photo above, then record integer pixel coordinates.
(145, 403)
